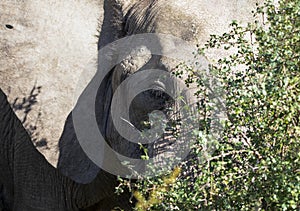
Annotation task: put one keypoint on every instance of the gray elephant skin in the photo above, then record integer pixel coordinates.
(29, 182)
(122, 20)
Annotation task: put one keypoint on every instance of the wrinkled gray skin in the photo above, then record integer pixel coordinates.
(28, 182)
(145, 16)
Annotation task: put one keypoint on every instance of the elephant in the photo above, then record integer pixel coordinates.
(29, 182)
(123, 19)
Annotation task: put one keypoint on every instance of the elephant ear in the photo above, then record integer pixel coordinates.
(73, 162)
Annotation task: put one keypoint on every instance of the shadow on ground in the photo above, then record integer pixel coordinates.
(24, 106)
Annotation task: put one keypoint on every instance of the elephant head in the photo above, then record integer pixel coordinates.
(123, 19)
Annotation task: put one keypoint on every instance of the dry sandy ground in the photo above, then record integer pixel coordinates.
(53, 42)
(49, 46)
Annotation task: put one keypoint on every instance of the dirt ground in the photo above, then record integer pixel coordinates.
(46, 46)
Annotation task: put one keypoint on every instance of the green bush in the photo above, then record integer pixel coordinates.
(256, 164)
